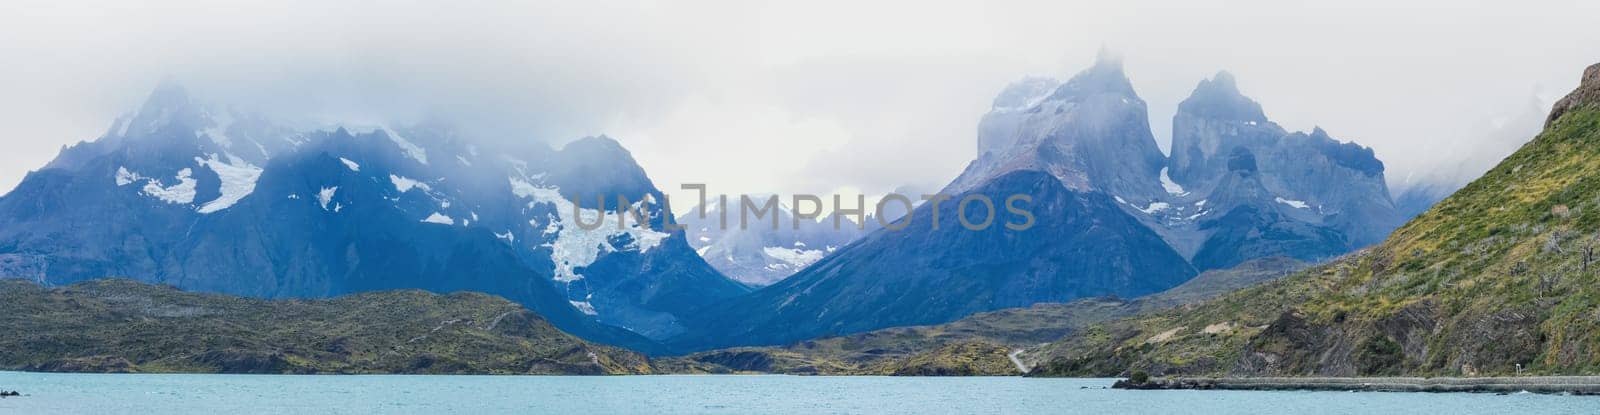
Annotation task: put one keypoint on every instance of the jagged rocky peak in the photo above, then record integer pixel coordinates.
(1219, 98)
(1349, 155)
(1025, 93)
(169, 107)
(1215, 118)
(598, 146)
(601, 164)
(166, 95)
(1588, 93)
(997, 131)
(1092, 133)
(1105, 77)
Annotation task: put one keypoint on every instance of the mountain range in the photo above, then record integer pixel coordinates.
(214, 200)
(218, 200)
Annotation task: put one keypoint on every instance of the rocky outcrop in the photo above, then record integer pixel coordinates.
(1574, 385)
(1588, 93)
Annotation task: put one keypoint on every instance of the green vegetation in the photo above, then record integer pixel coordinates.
(127, 326)
(1503, 273)
(976, 345)
(963, 358)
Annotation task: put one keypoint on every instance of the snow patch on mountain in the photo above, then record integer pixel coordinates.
(798, 258)
(326, 195)
(411, 150)
(1154, 207)
(123, 123)
(124, 177)
(574, 246)
(1173, 188)
(218, 130)
(404, 184)
(584, 307)
(1292, 203)
(181, 193)
(353, 166)
(439, 218)
(238, 180)
(1148, 210)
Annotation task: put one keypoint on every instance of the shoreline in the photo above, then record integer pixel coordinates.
(1574, 385)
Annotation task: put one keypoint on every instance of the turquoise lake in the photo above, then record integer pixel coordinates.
(52, 393)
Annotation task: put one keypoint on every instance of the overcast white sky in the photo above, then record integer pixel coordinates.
(802, 96)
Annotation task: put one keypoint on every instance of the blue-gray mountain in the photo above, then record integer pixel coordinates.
(1115, 216)
(1242, 187)
(215, 200)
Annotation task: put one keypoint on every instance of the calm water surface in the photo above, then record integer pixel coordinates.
(480, 395)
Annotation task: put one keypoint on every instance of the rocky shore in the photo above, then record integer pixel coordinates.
(1576, 385)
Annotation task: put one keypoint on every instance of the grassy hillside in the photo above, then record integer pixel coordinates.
(1502, 273)
(127, 326)
(976, 345)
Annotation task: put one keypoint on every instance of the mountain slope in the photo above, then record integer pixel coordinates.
(1499, 278)
(126, 326)
(890, 351)
(1082, 245)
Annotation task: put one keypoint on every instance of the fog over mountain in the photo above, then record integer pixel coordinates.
(773, 97)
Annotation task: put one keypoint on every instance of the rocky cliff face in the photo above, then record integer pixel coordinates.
(214, 201)
(1308, 195)
(1587, 94)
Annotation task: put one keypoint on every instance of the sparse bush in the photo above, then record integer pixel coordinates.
(1139, 377)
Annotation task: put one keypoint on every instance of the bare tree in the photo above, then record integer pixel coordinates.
(1548, 282)
(1588, 253)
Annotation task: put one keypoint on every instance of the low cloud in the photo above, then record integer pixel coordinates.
(783, 97)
